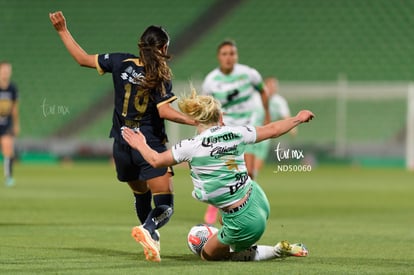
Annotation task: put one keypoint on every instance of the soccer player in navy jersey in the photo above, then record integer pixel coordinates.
(9, 119)
(143, 93)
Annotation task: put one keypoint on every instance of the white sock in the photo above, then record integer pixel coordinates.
(7, 167)
(265, 252)
(255, 172)
(255, 253)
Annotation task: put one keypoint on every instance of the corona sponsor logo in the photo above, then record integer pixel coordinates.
(210, 141)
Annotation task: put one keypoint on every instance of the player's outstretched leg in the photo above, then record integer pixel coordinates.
(8, 168)
(264, 252)
(148, 236)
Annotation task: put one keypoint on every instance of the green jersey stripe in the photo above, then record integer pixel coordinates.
(230, 78)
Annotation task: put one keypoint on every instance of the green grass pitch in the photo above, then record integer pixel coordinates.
(76, 219)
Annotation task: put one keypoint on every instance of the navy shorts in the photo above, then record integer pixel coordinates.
(131, 166)
(6, 129)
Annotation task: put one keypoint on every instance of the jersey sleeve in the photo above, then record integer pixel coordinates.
(105, 63)
(183, 151)
(167, 97)
(256, 79)
(279, 107)
(284, 108)
(206, 86)
(248, 133)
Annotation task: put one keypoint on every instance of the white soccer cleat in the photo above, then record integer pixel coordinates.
(298, 250)
(282, 249)
(285, 249)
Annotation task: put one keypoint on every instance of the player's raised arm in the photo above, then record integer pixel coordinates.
(280, 127)
(80, 56)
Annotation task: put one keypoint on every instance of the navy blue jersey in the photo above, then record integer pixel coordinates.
(133, 106)
(8, 97)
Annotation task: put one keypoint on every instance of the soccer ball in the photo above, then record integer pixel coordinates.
(198, 236)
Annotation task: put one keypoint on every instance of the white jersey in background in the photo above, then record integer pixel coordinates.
(234, 91)
(258, 109)
(278, 107)
(216, 159)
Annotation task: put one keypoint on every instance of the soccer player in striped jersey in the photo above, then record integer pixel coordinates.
(220, 178)
(278, 109)
(143, 93)
(234, 85)
(9, 119)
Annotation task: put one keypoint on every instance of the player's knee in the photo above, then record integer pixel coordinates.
(138, 187)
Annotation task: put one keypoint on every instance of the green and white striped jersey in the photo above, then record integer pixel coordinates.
(216, 159)
(234, 91)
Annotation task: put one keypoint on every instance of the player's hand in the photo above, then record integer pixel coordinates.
(305, 116)
(58, 21)
(134, 139)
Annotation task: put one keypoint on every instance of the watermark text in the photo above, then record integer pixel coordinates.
(284, 156)
(53, 109)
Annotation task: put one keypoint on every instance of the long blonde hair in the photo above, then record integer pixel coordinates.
(202, 108)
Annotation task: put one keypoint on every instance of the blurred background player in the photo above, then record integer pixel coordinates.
(234, 86)
(143, 93)
(278, 109)
(220, 178)
(9, 119)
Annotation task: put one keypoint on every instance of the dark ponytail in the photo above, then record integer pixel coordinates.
(151, 54)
